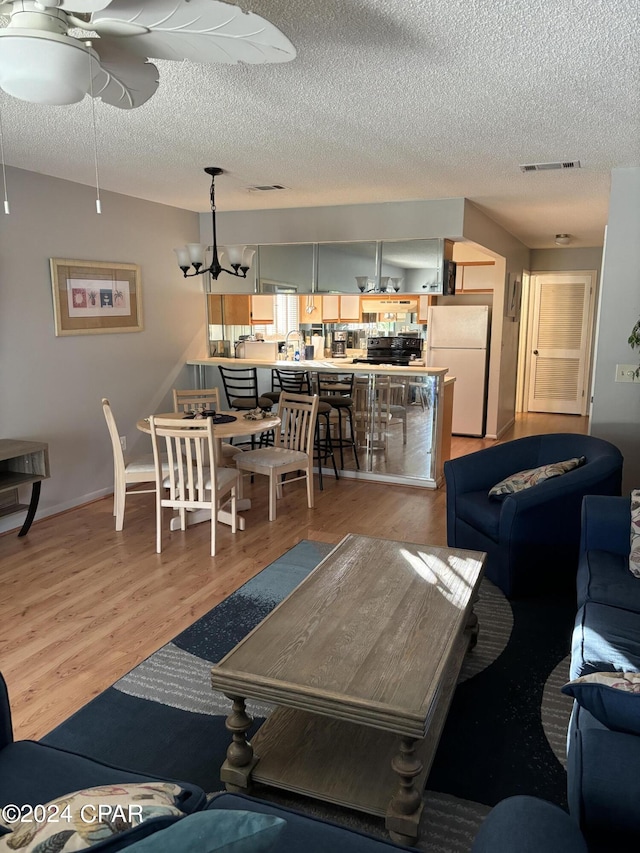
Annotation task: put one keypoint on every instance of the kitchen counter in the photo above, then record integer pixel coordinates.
(408, 445)
(337, 365)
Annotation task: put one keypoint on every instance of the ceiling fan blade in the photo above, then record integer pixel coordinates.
(124, 80)
(198, 30)
(80, 7)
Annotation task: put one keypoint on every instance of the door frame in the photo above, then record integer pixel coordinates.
(526, 320)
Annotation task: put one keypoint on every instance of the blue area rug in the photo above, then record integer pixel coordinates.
(162, 718)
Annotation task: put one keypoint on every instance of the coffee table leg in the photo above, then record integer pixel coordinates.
(403, 814)
(236, 770)
(472, 628)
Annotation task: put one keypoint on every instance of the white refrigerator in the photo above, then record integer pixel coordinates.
(458, 338)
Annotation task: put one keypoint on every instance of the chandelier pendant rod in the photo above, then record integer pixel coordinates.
(215, 268)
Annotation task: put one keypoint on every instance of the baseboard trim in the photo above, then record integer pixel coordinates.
(504, 429)
(11, 523)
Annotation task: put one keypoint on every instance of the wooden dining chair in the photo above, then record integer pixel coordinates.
(197, 400)
(292, 450)
(299, 382)
(129, 471)
(193, 480)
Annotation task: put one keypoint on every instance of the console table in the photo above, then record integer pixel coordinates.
(21, 463)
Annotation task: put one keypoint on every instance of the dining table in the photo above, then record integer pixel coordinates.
(226, 425)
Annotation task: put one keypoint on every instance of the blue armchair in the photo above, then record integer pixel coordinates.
(532, 537)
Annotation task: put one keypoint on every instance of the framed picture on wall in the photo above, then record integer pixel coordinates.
(95, 297)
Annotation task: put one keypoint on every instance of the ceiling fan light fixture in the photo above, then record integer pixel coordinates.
(193, 254)
(45, 69)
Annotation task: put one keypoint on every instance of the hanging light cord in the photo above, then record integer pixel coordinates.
(4, 172)
(95, 134)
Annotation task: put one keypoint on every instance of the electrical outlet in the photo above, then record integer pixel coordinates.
(626, 373)
(123, 442)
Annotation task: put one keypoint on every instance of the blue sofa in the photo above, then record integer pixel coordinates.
(33, 773)
(604, 765)
(532, 537)
(528, 825)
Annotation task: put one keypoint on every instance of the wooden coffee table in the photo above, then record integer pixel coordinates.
(362, 660)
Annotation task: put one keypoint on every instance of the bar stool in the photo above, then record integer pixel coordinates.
(299, 382)
(337, 390)
(276, 390)
(241, 390)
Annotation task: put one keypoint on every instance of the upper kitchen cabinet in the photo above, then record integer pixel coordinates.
(240, 309)
(287, 268)
(340, 263)
(475, 276)
(414, 266)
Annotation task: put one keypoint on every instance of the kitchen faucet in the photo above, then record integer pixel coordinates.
(298, 333)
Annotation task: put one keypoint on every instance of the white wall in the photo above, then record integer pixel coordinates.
(616, 406)
(556, 260)
(512, 258)
(52, 387)
(391, 220)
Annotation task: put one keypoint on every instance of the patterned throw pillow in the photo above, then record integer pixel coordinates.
(532, 476)
(634, 556)
(612, 697)
(93, 818)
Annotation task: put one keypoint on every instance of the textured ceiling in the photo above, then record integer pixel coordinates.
(387, 100)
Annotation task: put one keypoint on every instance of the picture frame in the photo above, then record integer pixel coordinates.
(514, 296)
(95, 297)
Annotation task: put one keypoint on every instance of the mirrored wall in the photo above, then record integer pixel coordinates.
(410, 266)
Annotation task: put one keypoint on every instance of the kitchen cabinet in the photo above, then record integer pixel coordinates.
(475, 277)
(214, 303)
(262, 308)
(330, 307)
(350, 307)
(240, 309)
(236, 309)
(310, 308)
(424, 303)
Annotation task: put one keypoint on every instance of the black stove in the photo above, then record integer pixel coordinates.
(400, 350)
(400, 361)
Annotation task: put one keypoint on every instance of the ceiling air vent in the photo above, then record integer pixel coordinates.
(266, 188)
(546, 167)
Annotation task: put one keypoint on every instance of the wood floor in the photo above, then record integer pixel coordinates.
(81, 604)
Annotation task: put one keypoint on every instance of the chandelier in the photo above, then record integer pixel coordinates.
(193, 254)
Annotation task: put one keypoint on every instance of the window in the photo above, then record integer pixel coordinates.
(286, 317)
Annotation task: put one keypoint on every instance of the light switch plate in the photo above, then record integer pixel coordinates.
(627, 373)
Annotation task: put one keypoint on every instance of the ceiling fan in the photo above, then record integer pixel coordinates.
(41, 63)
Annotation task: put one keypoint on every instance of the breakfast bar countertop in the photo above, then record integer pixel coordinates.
(326, 365)
(425, 412)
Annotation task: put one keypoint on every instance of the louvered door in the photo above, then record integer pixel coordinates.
(562, 312)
